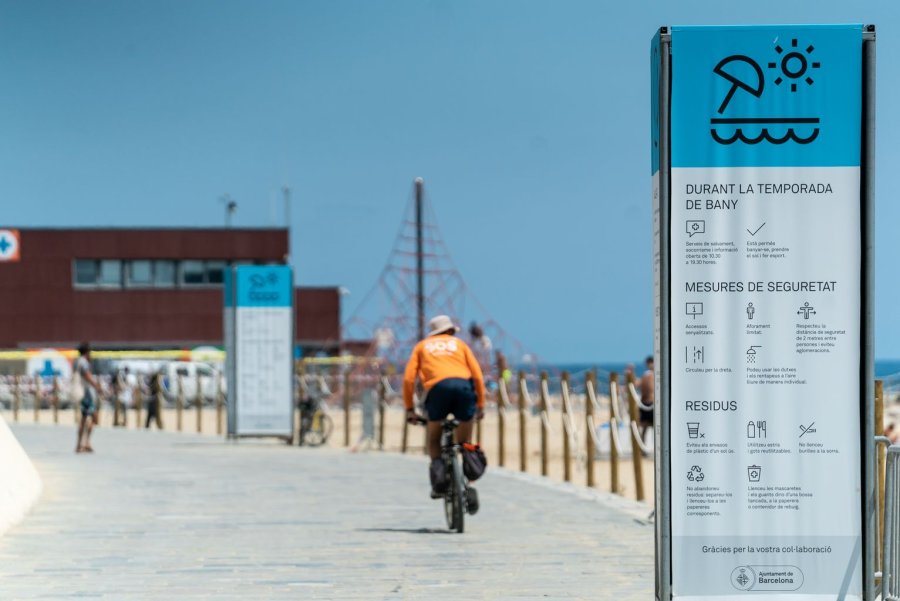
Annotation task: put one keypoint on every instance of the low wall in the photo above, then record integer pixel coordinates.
(20, 485)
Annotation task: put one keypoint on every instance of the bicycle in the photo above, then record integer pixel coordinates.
(459, 498)
(315, 424)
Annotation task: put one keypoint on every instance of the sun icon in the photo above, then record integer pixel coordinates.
(794, 65)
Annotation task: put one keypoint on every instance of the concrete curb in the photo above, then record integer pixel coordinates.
(20, 484)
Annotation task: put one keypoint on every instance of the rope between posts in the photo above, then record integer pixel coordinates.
(614, 434)
(524, 391)
(637, 398)
(637, 437)
(592, 430)
(546, 419)
(614, 399)
(592, 397)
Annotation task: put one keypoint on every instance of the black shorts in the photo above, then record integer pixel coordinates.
(453, 395)
(646, 416)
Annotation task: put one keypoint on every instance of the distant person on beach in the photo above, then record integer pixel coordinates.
(86, 389)
(481, 347)
(153, 385)
(453, 384)
(648, 394)
(891, 432)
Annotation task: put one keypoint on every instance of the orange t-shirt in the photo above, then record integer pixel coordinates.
(437, 358)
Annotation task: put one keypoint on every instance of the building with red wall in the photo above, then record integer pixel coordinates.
(140, 288)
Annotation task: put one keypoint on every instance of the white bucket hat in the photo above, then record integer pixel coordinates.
(440, 324)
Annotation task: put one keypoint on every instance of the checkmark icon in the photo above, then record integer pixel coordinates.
(753, 233)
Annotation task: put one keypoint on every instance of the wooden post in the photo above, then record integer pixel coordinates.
(637, 454)
(159, 401)
(405, 441)
(613, 431)
(382, 403)
(544, 434)
(523, 447)
(882, 455)
(567, 451)
(501, 422)
(199, 401)
(55, 399)
(138, 393)
(220, 400)
(17, 397)
(179, 403)
(36, 382)
(347, 409)
(589, 392)
(117, 401)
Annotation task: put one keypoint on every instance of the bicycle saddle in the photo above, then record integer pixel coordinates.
(450, 424)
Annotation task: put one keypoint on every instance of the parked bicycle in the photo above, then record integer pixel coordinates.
(315, 425)
(459, 497)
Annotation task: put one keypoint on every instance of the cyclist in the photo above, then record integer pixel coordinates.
(453, 383)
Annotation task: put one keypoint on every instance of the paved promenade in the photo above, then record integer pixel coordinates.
(169, 516)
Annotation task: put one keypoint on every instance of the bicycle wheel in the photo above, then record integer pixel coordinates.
(454, 502)
(319, 429)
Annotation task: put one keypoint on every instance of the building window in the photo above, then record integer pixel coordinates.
(85, 272)
(215, 272)
(155, 273)
(164, 274)
(140, 273)
(110, 273)
(192, 273)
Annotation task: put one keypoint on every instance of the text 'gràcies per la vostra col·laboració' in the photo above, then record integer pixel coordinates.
(771, 286)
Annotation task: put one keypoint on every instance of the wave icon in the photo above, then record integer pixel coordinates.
(739, 135)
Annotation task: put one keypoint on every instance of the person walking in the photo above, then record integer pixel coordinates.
(85, 388)
(153, 407)
(648, 394)
(453, 384)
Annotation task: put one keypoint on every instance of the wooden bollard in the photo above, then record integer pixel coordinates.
(138, 393)
(220, 400)
(567, 451)
(36, 385)
(882, 454)
(501, 422)
(382, 403)
(117, 400)
(545, 466)
(179, 404)
(199, 401)
(637, 454)
(523, 447)
(613, 431)
(17, 397)
(159, 401)
(55, 399)
(347, 409)
(589, 392)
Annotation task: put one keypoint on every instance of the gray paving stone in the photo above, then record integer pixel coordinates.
(169, 516)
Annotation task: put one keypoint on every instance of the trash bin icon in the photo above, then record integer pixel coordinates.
(693, 429)
(753, 472)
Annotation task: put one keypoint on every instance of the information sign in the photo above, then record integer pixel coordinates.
(761, 331)
(259, 340)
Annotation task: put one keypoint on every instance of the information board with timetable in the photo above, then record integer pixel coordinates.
(259, 343)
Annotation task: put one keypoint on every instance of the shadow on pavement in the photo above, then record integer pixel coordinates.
(407, 530)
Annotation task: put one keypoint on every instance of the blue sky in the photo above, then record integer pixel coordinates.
(528, 121)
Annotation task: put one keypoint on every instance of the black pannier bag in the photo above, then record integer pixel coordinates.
(474, 461)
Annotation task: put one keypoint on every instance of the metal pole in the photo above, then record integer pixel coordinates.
(420, 260)
(882, 453)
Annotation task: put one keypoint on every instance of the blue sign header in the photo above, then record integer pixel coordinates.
(264, 286)
(767, 96)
